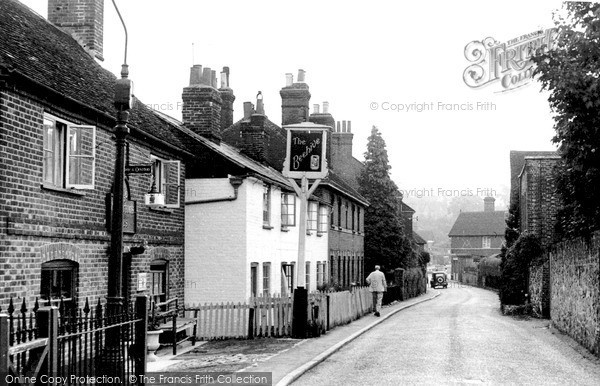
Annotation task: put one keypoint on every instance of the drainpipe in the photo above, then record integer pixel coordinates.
(236, 182)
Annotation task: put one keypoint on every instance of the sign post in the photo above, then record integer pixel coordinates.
(305, 159)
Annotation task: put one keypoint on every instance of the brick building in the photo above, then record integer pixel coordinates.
(478, 234)
(57, 152)
(534, 191)
(264, 141)
(241, 214)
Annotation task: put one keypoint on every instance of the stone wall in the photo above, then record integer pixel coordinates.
(539, 289)
(575, 291)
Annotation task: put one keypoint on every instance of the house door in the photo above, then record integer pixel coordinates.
(254, 280)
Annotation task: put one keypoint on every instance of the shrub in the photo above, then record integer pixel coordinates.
(515, 269)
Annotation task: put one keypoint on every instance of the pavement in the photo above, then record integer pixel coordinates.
(288, 365)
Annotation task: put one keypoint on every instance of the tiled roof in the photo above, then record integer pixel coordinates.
(418, 239)
(337, 182)
(479, 224)
(276, 155)
(406, 209)
(37, 50)
(231, 153)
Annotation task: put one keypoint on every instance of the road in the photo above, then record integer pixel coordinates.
(459, 337)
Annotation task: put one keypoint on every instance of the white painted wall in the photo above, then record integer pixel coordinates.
(223, 239)
(274, 245)
(215, 242)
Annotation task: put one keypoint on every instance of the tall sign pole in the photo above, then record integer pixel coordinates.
(305, 158)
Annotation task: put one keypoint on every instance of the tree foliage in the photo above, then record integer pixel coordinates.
(385, 241)
(514, 268)
(571, 72)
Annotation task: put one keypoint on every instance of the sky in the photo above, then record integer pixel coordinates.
(366, 59)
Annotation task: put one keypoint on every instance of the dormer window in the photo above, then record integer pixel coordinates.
(69, 154)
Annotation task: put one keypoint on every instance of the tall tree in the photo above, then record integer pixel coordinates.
(571, 72)
(385, 242)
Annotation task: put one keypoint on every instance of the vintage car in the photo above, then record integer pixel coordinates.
(438, 279)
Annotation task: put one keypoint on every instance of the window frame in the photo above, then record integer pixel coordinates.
(287, 214)
(266, 276)
(289, 279)
(164, 272)
(307, 276)
(52, 267)
(486, 242)
(323, 219)
(267, 205)
(254, 279)
(312, 216)
(62, 156)
(159, 165)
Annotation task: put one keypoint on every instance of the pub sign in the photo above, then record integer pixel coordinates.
(306, 151)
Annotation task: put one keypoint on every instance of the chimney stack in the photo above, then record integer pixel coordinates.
(228, 98)
(295, 99)
(83, 19)
(341, 144)
(488, 204)
(252, 131)
(324, 118)
(202, 104)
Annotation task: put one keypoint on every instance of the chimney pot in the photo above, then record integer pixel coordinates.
(338, 130)
(301, 75)
(248, 110)
(325, 107)
(260, 107)
(213, 78)
(206, 75)
(289, 79)
(316, 108)
(343, 126)
(223, 80)
(196, 75)
(349, 126)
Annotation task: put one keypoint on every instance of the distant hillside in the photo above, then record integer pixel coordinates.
(435, 215)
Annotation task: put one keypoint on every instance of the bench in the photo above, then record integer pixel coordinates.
(170, 318)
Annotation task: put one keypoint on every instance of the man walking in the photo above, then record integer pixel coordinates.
(378, 286)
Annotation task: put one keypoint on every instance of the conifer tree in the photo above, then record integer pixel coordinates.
(385, 242)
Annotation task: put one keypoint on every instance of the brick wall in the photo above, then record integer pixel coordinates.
(83, 19)
(294, 103)
(202, 110)
(346, 245)
(33, 217)
(575, 291)
(538, 198)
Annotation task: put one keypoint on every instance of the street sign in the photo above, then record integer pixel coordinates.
(129, 215)
(138, 169)
(306, 151)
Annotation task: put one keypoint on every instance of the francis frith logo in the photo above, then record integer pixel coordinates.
(507, 63)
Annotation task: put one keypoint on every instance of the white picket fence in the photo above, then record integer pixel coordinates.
(271, 316)
(346, 306)
(259, 317)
